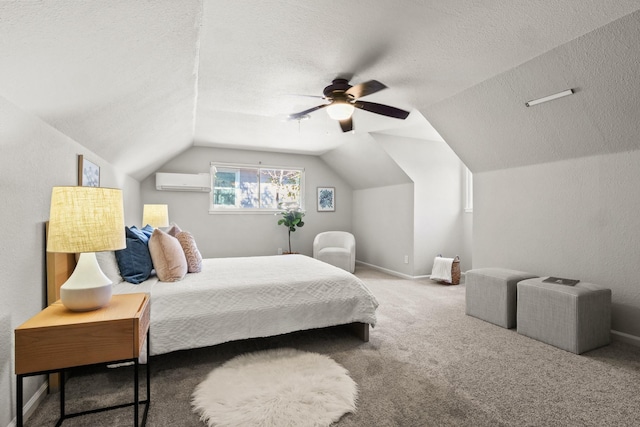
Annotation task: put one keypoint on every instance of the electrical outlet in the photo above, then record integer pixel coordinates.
(406, 259)
(279, 251)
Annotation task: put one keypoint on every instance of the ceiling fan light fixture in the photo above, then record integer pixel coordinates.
(340, 110)
(344, 99)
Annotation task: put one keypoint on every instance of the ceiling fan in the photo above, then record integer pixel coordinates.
(344, 98)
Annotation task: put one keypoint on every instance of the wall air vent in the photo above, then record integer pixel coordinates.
(200, 182)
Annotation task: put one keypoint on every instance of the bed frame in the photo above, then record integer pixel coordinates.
(61, 265)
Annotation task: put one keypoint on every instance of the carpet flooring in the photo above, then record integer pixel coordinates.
(427, 364)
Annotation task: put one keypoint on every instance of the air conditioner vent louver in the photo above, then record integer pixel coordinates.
(200, 182)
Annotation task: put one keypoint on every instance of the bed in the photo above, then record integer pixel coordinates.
(244, 297)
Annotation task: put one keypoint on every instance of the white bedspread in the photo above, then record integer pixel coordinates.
(248, 297)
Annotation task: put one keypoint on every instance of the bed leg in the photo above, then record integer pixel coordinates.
(361, 330)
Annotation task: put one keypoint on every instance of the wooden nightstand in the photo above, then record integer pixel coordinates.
(57, 338)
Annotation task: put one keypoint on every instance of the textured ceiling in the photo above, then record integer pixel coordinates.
(140, 81)
(491, 128)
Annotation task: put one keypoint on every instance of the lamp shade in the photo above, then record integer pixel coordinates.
(86, 219)
(155, 215)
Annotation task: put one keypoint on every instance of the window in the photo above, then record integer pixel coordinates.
(250, 188)
(468, 194)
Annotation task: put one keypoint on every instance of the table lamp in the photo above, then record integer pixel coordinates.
(155, 215)
(86, 220)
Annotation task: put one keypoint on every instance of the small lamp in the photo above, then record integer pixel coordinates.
(86, 220)
(155, 215)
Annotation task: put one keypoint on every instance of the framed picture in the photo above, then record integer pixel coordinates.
(88, 173)
(326, 199)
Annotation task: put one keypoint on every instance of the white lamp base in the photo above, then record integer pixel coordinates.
(88, 288)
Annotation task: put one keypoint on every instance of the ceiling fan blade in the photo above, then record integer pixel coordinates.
(366, 88)
(304, 95)
(301, 114)
(346, 124)
(385, 110)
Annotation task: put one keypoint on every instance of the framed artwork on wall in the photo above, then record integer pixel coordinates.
(88, 173)
(326, 199)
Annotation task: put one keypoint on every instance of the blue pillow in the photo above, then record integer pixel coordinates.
(134, 233)
(147, 230)
(134, 261)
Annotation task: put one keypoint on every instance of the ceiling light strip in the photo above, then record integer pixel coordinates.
(550, 97)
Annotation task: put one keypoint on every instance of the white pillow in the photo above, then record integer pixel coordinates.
(109, 266)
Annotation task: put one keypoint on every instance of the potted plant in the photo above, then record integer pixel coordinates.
(291, 218)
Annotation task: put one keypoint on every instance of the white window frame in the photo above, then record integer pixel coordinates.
(468, 190)
(236, 189)
(240, 210)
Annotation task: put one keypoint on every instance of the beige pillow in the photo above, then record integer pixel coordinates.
(167, 256)
(191, 252)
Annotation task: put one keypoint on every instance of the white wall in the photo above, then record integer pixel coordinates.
(224, 235)
(34, 157)
(439, 218)
(576, 218)
(379, 164)
(383, 226)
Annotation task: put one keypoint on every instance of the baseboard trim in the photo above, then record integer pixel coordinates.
(386, 270)
(397, 273)
(626, 338)
(32, 404)
(393, 272)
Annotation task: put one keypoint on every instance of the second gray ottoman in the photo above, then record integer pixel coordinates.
(573, 318)
(491, 294)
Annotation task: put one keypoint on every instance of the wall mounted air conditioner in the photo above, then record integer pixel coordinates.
(183, 182)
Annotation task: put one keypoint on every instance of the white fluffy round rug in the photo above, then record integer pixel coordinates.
(279, 388)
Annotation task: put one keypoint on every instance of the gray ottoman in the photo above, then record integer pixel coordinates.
(491, 294)
(573, 318)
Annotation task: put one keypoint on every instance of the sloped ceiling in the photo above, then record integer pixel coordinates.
(364, 163)
(117, 76)
(491, 128)
(140, 81)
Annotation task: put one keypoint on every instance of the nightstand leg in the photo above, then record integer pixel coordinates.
(19, 401)
(148, 371)
(136, 384)
(62, 396)
(146, 407)
(136, 399)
